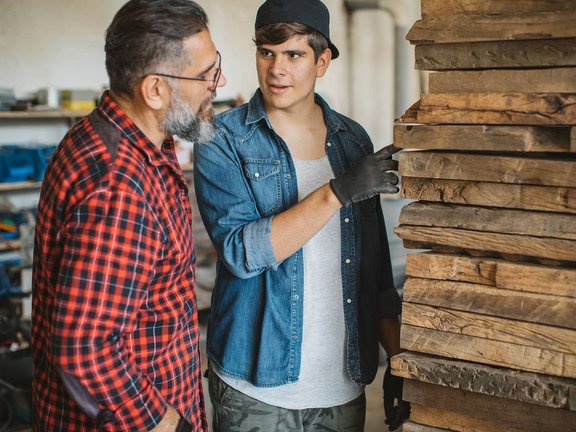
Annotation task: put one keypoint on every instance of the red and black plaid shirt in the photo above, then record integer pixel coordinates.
(114, 306)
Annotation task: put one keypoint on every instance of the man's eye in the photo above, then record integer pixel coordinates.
(264, 53)
(295, 55)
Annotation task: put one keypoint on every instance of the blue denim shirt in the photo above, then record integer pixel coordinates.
(243, 178)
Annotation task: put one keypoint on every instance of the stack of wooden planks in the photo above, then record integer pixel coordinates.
(489, 314)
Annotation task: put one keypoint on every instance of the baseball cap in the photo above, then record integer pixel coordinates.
(312, 13)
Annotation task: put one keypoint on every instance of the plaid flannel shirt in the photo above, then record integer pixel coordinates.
(114, 306)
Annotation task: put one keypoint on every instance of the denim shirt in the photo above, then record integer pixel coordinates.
(243, 178)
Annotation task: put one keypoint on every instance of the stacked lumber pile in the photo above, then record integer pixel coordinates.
(489, 314)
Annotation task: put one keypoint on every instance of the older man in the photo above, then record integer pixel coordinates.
(115, 331)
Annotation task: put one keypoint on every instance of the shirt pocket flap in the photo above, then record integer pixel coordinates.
(259, 170)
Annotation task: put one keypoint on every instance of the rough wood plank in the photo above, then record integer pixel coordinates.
(550, 80)
(410, 426)
(486, 219)
(493, 272)
(449, 320)
(503, 303)
(496, 55)
(533, 278)
(498, 108)
(521, 246)
(552, 199)
(454, 421)
(505, 383)
(487, 351)
(502, 7)
(487, 27)
(482, 137)
(496, 169)
(507, 413)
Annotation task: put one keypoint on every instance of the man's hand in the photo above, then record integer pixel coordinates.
(397, 411)
(369, 177)
(169, 422)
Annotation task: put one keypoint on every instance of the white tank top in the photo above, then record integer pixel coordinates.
(323, 380)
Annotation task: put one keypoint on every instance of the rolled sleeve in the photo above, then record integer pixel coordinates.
(259, 251)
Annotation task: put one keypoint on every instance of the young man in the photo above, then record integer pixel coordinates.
(115, 332)
(289, 193)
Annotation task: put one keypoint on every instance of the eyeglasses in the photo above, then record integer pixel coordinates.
(215, 79)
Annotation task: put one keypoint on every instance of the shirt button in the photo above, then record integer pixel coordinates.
(329, 144)
(349, 301)
(296, 297)
(347, 261)
(257, 175)
(295, 338)
(347, 220)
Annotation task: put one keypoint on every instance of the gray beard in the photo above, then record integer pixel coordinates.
(181, 120)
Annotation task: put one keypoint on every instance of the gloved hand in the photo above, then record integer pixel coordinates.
(397, 411)
(368, 177)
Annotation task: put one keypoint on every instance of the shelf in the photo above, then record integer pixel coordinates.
(20, 186)
(26, 115)
(9, 245)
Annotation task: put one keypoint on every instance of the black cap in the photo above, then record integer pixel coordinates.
(312, 13)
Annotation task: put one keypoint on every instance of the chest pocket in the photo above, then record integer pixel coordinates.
(263, 177)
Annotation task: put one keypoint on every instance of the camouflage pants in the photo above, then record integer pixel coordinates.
(236, 412)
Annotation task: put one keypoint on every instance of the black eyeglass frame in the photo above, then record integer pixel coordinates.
(214, 80)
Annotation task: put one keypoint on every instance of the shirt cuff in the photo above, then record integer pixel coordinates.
(259, 251)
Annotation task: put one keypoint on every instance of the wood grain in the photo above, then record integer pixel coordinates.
(551, 199)
(488, 352)
(488, 27)
(465, 240)
(496, 55)
(498, 169)
(540, 279)
(483, 138)
(550, 80)
(482, 299)
(506, 413)
(505, 383)
(498, 108)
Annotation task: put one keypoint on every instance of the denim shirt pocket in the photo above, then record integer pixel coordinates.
(263, 177)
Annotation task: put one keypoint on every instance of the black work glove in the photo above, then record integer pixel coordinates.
(368, 177)
(397, 411)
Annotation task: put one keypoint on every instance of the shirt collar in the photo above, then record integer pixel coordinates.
(118, 118)
(257, 112)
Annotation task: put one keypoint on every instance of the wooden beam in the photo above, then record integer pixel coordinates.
(555, 80)
(546, 109)
(526, 277)
(502, 303)
(410, 426)
(496, 169)
(552, 199)
(488, 27)
(507, 413)
(488, 352)
(496, 55)
(573, 139)
(454, 421)
(464, 240)
(431, 8)
(446, 319)
(505, 383)
(482, 137)
(487, 219)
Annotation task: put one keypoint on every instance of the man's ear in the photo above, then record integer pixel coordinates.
(323, 62)
(155, 92)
